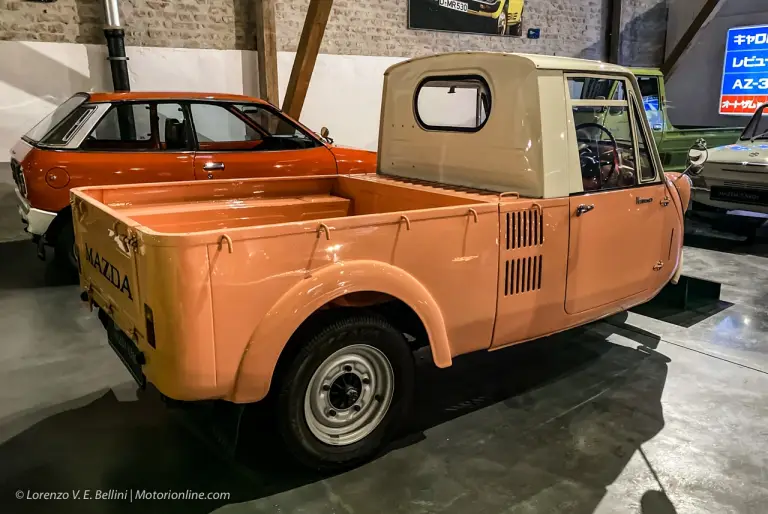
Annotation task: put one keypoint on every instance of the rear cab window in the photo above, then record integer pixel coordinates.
(649, 89)
(460, 104)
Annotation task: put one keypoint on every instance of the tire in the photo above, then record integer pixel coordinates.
(64, 249)
(367, 369)
(515, 30)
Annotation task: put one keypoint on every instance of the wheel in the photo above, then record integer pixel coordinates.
(64, 249)
(345, 393)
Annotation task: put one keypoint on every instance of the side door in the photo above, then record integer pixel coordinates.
(250, 140)
(616, 217)
(137, 142)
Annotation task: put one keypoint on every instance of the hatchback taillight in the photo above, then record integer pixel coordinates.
(18, 177)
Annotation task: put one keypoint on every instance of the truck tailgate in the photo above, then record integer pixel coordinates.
(106, 248)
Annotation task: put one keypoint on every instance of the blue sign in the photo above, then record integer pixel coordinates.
(745, 71)
(534, 33)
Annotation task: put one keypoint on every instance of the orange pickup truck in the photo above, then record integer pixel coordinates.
(492, 220)
(123, 138)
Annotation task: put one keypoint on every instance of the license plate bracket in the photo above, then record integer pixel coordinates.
(133, 358)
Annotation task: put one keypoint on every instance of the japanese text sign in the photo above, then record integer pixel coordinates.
(745, 72)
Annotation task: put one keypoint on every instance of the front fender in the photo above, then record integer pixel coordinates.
(683, 186)
(316, 290)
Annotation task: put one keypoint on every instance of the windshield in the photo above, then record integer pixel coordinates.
(757, 127)
(40, 130)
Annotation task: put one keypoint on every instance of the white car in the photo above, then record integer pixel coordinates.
(735, 178)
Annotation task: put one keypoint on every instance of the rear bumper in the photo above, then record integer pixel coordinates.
(37, 221)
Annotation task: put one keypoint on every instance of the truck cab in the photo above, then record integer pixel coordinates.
(496, 217)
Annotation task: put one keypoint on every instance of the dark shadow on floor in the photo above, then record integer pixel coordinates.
(685, 318)
(22, 269)
(569, 409)
(685, 304)
(656, 502)
(722, 235)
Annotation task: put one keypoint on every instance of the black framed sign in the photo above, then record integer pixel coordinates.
(500, 17)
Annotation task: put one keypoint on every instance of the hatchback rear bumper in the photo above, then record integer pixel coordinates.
(37, 221)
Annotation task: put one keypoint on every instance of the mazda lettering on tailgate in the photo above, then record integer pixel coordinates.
(109, 271)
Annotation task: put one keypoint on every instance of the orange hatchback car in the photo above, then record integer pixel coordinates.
(125, 138)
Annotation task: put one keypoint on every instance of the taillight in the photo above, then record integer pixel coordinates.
(57, 178)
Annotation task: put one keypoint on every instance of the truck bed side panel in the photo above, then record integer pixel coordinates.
(451, 255)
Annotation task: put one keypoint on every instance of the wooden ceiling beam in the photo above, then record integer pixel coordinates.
(677, 52)
(266, 48)
(306, 56)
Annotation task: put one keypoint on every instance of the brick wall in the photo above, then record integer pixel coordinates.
(169, 23)
(379, 27)
(357, 27)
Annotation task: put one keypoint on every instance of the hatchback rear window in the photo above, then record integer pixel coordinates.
(66, 130)
(39, 131)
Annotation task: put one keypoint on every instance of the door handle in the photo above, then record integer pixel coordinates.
(640, 200)
(208, 166)
(583, 209)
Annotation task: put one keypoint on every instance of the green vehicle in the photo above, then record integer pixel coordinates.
(673, 142)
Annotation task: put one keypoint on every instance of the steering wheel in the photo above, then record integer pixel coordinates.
(594, 163)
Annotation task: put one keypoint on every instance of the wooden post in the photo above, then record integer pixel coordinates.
(266, 48)
(614, 32)
(306, 56)
(685, 41)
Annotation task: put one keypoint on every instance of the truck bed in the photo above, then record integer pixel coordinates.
(183, 208)
(185, 272)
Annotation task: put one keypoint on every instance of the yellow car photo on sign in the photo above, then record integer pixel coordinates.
(500, 17)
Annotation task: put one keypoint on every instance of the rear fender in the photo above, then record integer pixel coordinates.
(318, 289)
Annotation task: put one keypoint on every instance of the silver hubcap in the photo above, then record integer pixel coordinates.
(349, 394)
(502, 23)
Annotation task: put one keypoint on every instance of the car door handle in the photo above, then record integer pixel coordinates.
(641, 200)
(213, 166)
(583, 209)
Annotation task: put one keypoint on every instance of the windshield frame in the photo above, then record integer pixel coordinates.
(753, 125)
(231, 105)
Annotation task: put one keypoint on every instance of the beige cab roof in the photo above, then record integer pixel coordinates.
(543, 62)
(521, 147)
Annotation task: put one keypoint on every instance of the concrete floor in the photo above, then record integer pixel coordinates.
(629, 415)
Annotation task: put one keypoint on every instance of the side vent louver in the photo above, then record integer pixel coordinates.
(524, 229)
(522, 275)
(525, 235)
